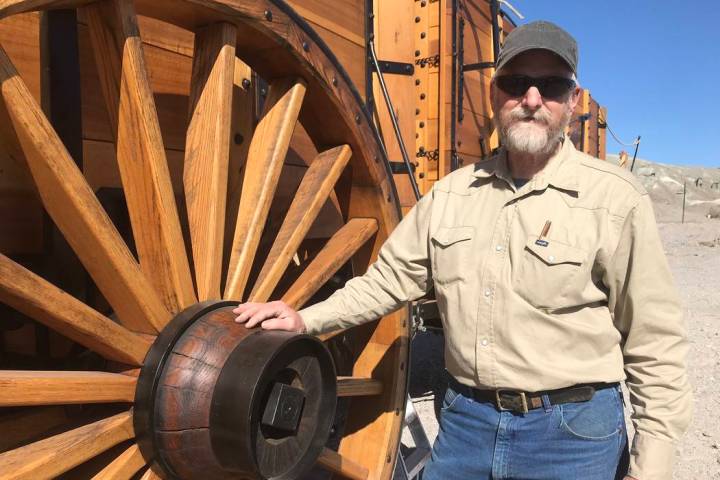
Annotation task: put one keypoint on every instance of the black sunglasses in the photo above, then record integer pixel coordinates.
(549, 87)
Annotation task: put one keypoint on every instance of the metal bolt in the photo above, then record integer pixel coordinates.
(268, 15)
(306, 46)
(417, 81)
(376, 158)
(357, 118)
(423, 3)
(422, 124)
(417, 111)
(417, 53)
(389, 198)
(421, 175)
(263, 92)
(421, 149)
(422, 34)
(417, 19)
(238, 139)
(246, 83)
(422, 96)
(408, 68)
(334, 81)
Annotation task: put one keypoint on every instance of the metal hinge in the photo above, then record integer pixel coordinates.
(393, 68)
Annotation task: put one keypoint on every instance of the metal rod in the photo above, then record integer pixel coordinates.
(454, 164)
(495, 12)
(683, 208)
(393, 118)
(637, 144)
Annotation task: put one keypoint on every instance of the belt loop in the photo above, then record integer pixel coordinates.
(546, 403)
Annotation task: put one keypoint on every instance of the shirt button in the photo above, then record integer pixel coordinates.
(551, 258)
(487, 293)
(484, 342)
(499, 248)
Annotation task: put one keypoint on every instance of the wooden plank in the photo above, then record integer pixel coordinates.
(207, 152)
(336, 463)
(53, 456)
(20, 37)
(316, 185)
(26, 388)
(338, 250)
(265, 159)
(344, 17)
(123, 467)
(357, 387)
(166, 36)
(73, 206)
(151, 475)
(140, 152)
(37, 298)
(348, 53)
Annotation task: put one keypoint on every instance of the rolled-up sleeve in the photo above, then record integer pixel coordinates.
(400, 274)
(647, 312)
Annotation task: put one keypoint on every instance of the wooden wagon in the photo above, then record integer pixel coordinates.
(161, 160)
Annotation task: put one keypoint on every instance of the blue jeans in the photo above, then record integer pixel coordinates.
(584, 440)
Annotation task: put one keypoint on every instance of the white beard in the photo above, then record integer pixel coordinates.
(533, 138)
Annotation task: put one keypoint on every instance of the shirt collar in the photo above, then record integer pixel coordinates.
(561, 170)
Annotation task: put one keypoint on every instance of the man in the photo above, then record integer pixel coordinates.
(552, 286)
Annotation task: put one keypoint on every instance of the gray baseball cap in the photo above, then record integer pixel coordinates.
(543, 35)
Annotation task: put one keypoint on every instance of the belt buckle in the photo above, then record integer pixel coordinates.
(523, 400)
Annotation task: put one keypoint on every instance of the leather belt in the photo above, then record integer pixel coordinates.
(506, 399)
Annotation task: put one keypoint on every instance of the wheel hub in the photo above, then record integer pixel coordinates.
(216, 400)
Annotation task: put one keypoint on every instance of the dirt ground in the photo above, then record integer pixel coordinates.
(693, 251)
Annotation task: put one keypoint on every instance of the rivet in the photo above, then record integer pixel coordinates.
(417, 81)
(246, 83)
(422, 150)
(238, 139)
(417, 135)
(389, 198)
(376, 158)
(334, 81)
(422, 96)
(408, 68)
(357, 118)
(397, 411)
(417, 53)
(306, 46)
(268, 15)
(423, 3)
(421, 175)
(422, 124)
(417, 19)
(417, 111)
(388, 459)
(422, 34)
(263, 92)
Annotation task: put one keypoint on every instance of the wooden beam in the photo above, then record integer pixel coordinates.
(53, 456)
(44, 302)
(117, 47)
(358, 387)
(76, 211)
(25, 388)
(123, 467)
(338, 250)
(150, 474)
(336, 463)
(207, 151)
(316, 185)
(265, 159)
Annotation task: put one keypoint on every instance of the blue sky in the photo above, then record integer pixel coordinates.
(655, 65)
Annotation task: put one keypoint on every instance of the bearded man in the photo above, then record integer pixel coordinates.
(552, 286)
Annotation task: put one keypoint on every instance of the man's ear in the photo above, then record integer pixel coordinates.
(575, 96)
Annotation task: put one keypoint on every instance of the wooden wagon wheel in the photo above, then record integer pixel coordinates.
(210, 399)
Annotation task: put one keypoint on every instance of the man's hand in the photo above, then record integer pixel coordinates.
(270, 316)
(628, 477)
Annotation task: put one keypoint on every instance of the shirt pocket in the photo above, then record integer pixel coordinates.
(549, 272)
(452, 252)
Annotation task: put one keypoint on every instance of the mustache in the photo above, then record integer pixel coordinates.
(521, 113)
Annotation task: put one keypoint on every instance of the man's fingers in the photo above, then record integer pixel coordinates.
(262, 314)
(276, 323)
(246, 313)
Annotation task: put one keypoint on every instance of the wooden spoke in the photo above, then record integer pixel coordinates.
(150, 475)
(336, 463)
(76, 211)
(52, 456)
(22, 387)
(123, 467)
(207, 151)
(39, 299)
(140, 152)
(314, 190)
(338, 250)
(358, 387)
(267, 152)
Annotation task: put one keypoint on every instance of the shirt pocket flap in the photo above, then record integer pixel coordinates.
(553, 252)
(446, 236)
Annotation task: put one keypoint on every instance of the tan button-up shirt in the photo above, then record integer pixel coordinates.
(591, 301)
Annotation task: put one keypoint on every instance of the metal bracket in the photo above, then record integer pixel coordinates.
(393, 68)
(400, 167)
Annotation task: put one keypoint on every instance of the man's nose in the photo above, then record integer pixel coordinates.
(532, 98)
